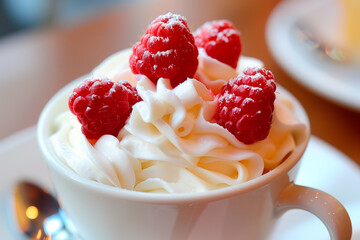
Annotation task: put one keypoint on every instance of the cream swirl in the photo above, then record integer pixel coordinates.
(170, 142)
(214, 74)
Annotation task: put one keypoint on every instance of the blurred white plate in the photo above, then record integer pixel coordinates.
(336, 82)
(323, 167)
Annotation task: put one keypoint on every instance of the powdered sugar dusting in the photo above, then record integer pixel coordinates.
(223, 37)
(166, 53)
(173, 20)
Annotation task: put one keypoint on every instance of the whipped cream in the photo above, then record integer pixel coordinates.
(170, 142)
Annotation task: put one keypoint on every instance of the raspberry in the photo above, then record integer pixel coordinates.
(246, 104)
(220, 40)
(167, 50)
(102, 106)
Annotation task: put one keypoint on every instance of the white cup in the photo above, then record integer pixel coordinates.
(246, 211)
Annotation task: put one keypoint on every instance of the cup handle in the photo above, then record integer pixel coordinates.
(329, 210)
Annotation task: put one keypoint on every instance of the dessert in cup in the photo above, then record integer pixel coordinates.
(180, 137)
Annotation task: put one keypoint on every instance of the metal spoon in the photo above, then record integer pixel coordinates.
(38, 213)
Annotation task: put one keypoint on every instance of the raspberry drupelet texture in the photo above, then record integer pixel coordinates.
(220, 40)
(246, 105)
(102, 106)
(166, 50)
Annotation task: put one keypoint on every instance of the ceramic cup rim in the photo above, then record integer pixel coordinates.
(43, 131)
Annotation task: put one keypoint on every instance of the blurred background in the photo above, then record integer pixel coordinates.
(16, 15)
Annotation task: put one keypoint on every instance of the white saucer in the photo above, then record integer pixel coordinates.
(338, 83)
(323, 167)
